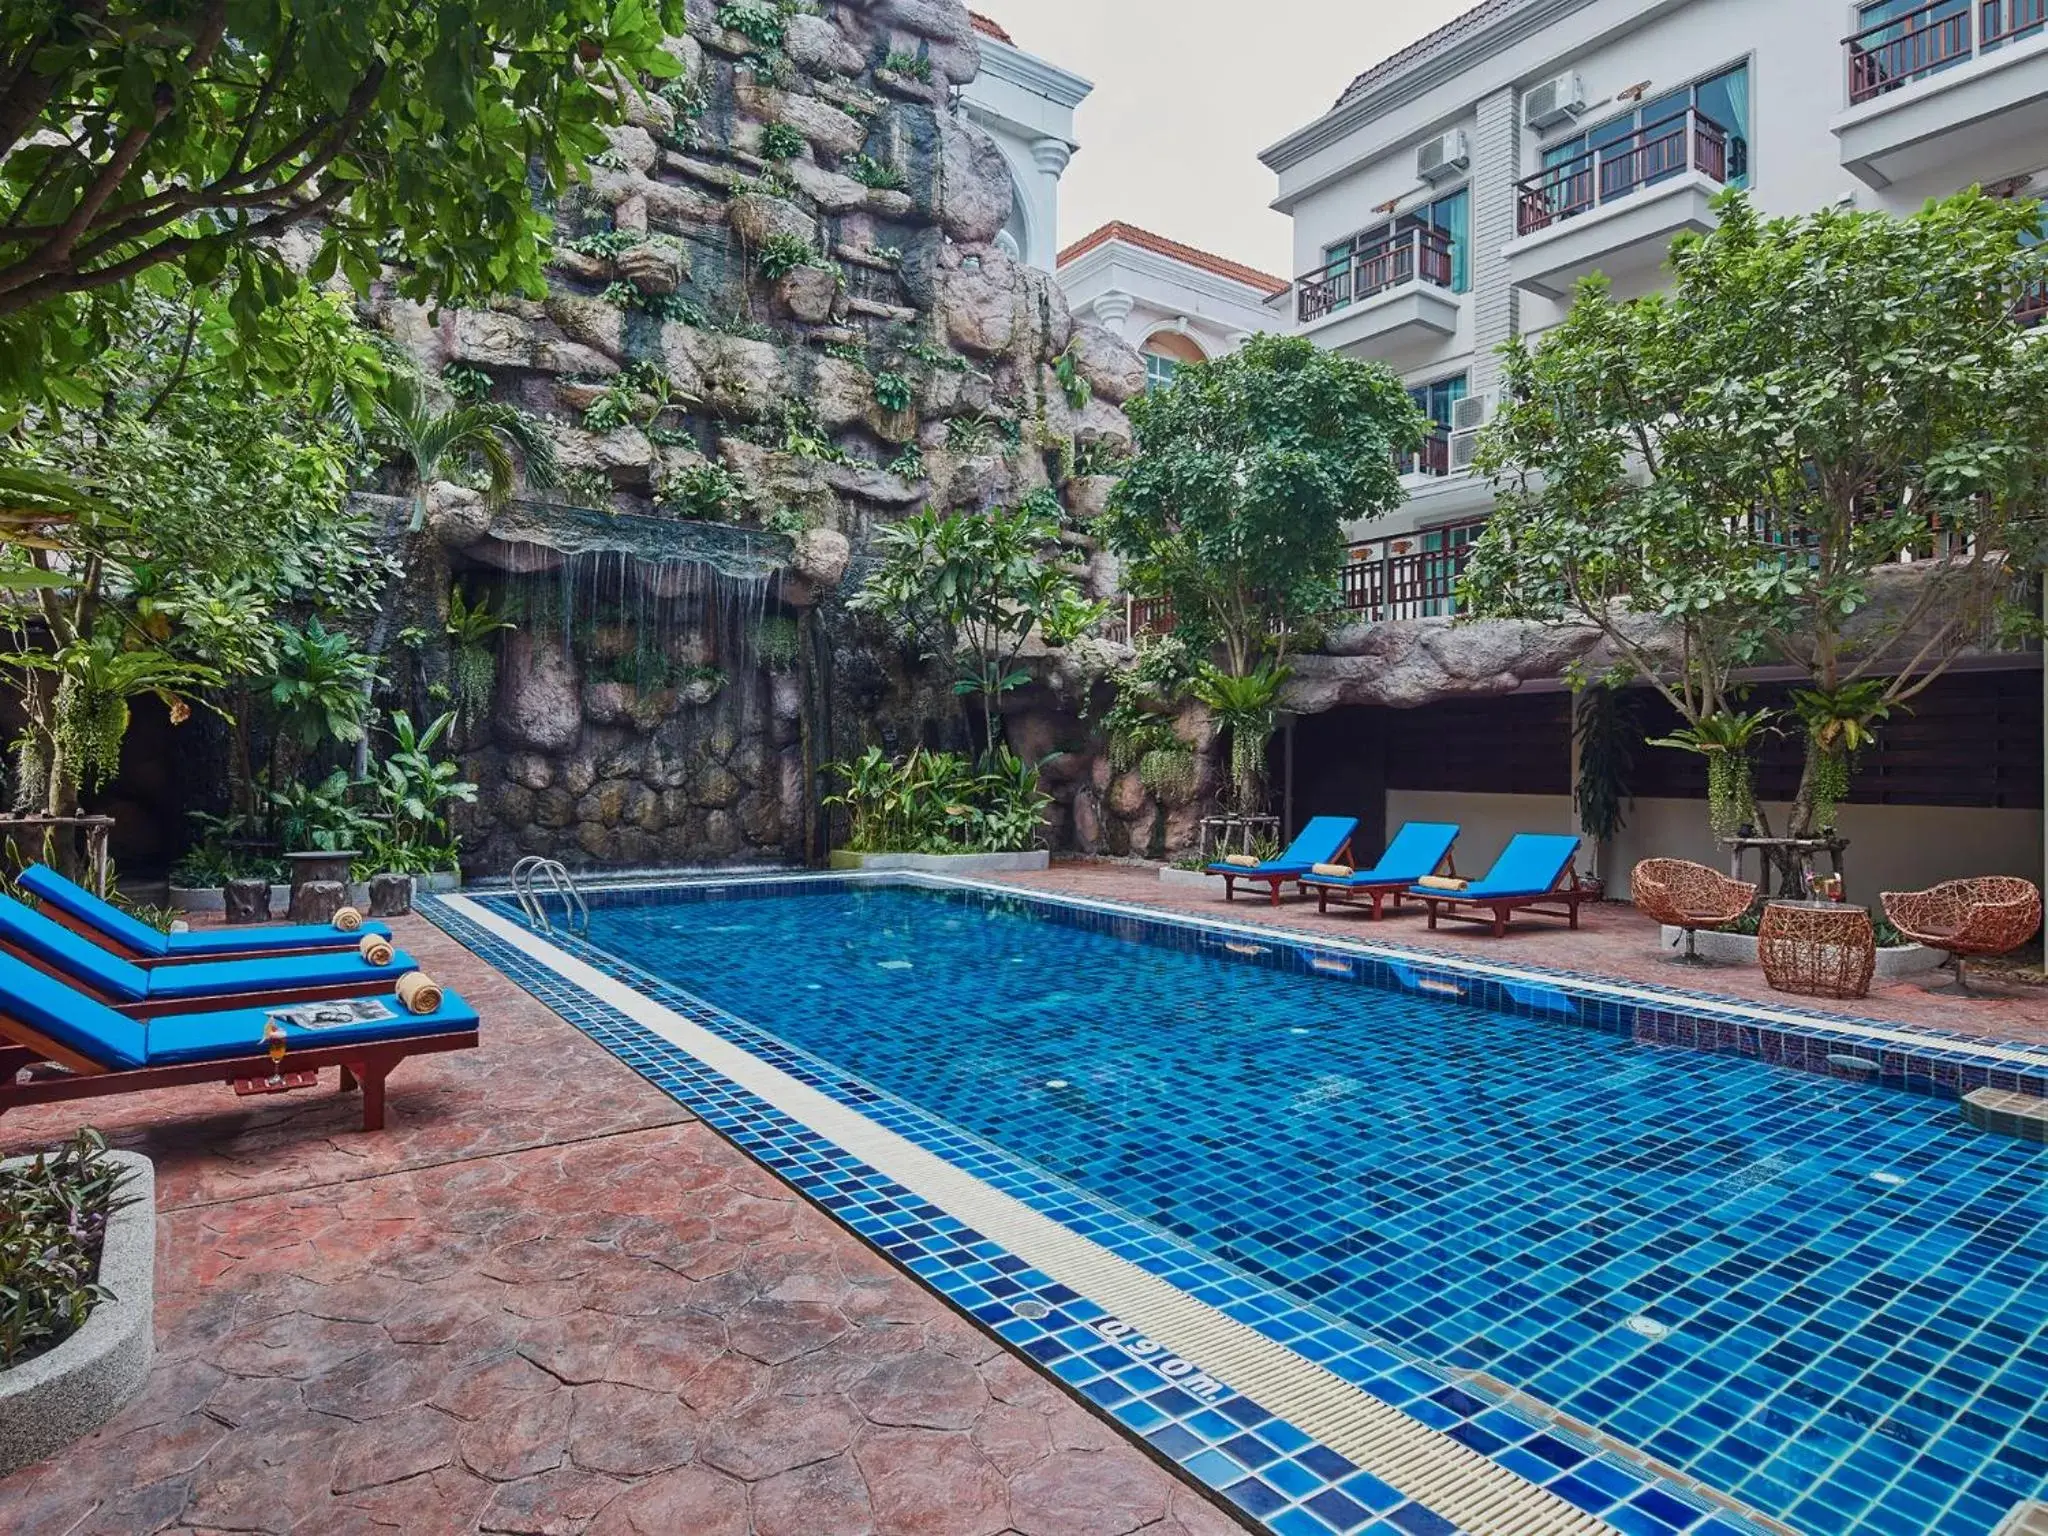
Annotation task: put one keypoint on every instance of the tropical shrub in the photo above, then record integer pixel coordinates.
(415, 793)
(319, 690)
(938, 802)
(53, 1220)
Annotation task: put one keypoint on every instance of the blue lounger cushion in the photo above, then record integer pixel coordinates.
(121, 1044)
(195, 1037)
(74, 900)
(1530, 865)
(1317, 843)
(109, 975)
(71, 1019)
(1417, 849)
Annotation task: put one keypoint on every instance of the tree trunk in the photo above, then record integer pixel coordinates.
(1789, 866)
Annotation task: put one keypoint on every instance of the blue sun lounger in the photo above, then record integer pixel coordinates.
(103, 1051)
(105, 924)
(1419, 848)
(52, 947)
(1324, 840)
(1533, 871)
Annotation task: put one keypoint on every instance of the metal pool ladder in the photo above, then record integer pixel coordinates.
(527, 877)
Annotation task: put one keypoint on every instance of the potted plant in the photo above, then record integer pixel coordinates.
(414, 793)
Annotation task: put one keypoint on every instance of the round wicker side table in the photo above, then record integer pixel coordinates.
(1817, 948)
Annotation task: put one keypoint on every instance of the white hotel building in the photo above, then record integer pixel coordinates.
(1452, 198)
(1456, 193)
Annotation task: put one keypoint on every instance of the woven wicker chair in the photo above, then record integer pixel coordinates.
(1991, 915)
(1681, 894)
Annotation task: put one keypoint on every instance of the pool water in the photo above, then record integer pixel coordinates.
(1829, 1301)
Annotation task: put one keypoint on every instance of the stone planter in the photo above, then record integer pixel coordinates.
(946, 863)
(210, 898)
(321, 866)
(1188, 880)
(1740, 949)
(48, 1402)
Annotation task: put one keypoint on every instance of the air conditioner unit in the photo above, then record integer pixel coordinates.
(1554, 101)
(1447, 154)
(1463, 451)
(1471, 413)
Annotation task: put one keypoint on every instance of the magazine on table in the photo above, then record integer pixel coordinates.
(354, 1010)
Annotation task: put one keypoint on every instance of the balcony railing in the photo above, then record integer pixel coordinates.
(1416, 584)
(2032, 308)
(1414, 255)
(1432, 458)
(1689, 141)
(1937, 36)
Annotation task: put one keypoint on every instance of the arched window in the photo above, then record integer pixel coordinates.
(1165, 353)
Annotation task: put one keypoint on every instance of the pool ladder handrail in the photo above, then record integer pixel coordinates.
(526, 877)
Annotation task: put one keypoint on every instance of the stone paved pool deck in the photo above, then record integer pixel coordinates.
(1613, 940)
(547, 1300)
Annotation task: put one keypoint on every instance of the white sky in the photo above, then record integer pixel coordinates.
(1187, 92)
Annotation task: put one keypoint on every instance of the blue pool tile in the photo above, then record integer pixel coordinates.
(1736, 1271)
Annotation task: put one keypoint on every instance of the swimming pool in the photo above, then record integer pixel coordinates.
(1826, 1300)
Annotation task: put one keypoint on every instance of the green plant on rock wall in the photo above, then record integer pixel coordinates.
(777, 642)
(912, 66)
(762, 25)
(706, 492)
(893, 391)
(909, 464)
(473, 629)
(1073, 383)
(779, 141)
(781, 255)
(870, 172)
(470, 385)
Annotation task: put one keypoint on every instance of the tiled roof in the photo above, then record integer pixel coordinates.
(1422, 48)
(988, 28)
(1145, 240)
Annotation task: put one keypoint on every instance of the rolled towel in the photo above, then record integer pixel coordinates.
(1241, 860)
(1334, 871)
(419, 992)
(376, 949)
(1442, 883)
(348, 920)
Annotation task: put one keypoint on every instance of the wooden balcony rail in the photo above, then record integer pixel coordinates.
(2006, 20)
(1911, 47)
(1690, 140)
(1416, 584)
(2032, 308)
(1413, 255)
(1432, 458)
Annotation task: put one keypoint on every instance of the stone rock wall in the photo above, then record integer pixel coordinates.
(777, 307)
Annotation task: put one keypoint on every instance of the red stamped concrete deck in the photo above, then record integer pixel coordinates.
(547, 1301)
(1613, 940)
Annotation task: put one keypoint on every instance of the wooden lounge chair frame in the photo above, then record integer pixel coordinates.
(363, 1067)
(163, 1007)
(114, 946)
(1498, 909)
(1386, 894)
(1272, 881)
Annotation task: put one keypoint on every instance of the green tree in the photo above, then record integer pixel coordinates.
(971, 586)
(1725, 475)
(136, 134)
(215, 482)
(1247, 471)
(430, 443)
